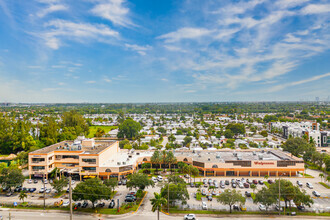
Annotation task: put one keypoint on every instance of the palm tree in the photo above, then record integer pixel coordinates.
(22, 195)
(170, 159)
(157, 203)
(163, 156)
(266, 177)
(306, 166)
(321, 175)
(156, 159)
(195, 172)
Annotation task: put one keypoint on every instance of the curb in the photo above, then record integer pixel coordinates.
(140, 203)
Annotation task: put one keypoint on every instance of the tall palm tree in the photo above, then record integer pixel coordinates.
(22, 196)
(157, 203)
(321, 175)
(170, 159)
(156, 159)
(163, 156)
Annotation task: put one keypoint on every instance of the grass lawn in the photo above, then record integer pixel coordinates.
(253, 196)
(93, 129)
(325, 185)
(58, 195)
(266, 184)
(308, 176)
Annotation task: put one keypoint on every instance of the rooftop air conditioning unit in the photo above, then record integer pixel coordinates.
(254, 153)
(124, 163)
(118, 163)
(208, 159)
(260, 156)
(218, 156)
(137, 153)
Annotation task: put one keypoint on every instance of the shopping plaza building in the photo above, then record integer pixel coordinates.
(89, 158)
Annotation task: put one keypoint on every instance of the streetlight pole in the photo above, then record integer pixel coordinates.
(279, 193)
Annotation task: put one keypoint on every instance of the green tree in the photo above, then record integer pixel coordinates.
(301, 197)
(146, 167)
(22, 158)
(230, 197)
(170, 159)
(123, 143)
(253, 187)
(75, 123)
(59, 184)
(187, 140)
(175, 192)
(112, 183)
(11, 177)
(270, 118)
(139, 180)
(297, 146)
(194, 172)
(157, 203)
(321, 175)
(266, 197)
(236, 128)
(128, 146)
(228, 133)
(171, 138)
(99, 132)
(156, 159)
(92, 190)
(264, 133)
(22, 195)
(129, 129)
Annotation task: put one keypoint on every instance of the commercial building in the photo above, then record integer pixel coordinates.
(88, 158)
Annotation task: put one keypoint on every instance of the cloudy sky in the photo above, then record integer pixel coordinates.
(164, 51)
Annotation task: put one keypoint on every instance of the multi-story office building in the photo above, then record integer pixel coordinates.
(103, 158)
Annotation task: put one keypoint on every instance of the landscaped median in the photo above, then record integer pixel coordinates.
(125, 208)
(325, 185)
(174, 211)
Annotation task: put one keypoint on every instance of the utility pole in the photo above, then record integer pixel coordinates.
(168, 197)
(70, 196)
(44, 192)
(279, 193)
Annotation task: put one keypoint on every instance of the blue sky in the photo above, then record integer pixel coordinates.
(164, 51)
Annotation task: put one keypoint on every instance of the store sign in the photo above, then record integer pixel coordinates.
(264, 163)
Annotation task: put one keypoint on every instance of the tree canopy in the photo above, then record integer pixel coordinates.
(129, 129)
(230, 197)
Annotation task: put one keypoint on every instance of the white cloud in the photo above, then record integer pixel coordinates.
(114, 11)
(285, 85)
(52, 8)
(76, 31)
(139, 49)
(106, 79)
(284, 4)
(185, 33)
(90, 82)
(292, 39)
(164, 79)
(175, 48)
(316, 9)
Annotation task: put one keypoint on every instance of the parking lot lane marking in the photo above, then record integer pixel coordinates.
(140, 203)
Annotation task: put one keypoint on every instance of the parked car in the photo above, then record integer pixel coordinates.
(100, 205)
(235, 207)
(119, 183)
(204, 181)
(209, 197)
(262, 207)
(216, 185)
(73, 182)
(195, 195)
(233, 185)
(192, 185)
(301, 207)
(131, 196)
(240, 185)
(299, 183)
(261, 182)
(112, 204)
(31, 190)
(190, 217)
(18, 189)
(227, 182)
(247, 194)
(67, 203)
(45, 181)
(160, 178)
(203, 192)
(84, 205)
(129, 199)
(270, 181)
(242, 207)
(132, 193)
(67, 190)
(315, 193)
(48, 190)
(277, 208)
(9, 194)
(255, 182)
(42, 189)
(29, 181)
(205, 185)
(246, 185)
(309, 185)
(222, 186)
(204, 206)
(35, 181)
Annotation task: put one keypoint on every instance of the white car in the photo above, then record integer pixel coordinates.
(29, 181)
(45, 181)
(204, 206)
(154, 179)
(309, 185)
(42, 189)
(73, 182)
(159, 178)
(190, 217)
(48, 190)
(66, 204)
(262, 207)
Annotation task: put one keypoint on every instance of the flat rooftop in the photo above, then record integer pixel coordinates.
(66, 146)
(222, 156)
(125, 158)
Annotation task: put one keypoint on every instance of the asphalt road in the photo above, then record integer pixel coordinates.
(23, 215)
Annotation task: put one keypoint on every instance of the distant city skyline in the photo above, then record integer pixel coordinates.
(121, 51)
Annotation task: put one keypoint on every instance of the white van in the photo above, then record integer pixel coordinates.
(160, 178)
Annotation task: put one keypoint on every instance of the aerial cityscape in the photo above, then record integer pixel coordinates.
(190, 109)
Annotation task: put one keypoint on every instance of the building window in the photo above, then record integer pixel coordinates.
(37, 160)
(145, 159)
(185, 160)
(70, 164)
(92, 161)
(90, 169)
(70, 156)
(50, 158)
(108, 170)
(215, 166)
(36, 168)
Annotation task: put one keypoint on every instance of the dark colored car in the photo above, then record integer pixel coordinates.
(192, 185)
(35, 181)
(84, 205)
(18, 189)
(129, 199)
(255, 182)
(235, 207)
(247, 194)
(196, 185)
(227, 182)
(112, 204)
(131, 196)
(209, 198)
(270, 181)
(124, 182)
(31, 190)
(68, 190)
(119, 183)
(246, 185)
(100, 205)
(301, 207)
(77, 205)
(24, 189)
(261, 182)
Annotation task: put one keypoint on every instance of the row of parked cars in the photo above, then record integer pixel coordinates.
(241, 183)
(130, 197)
